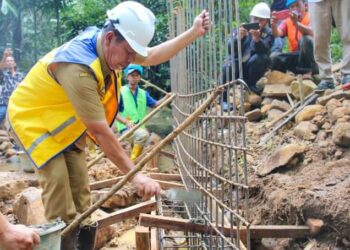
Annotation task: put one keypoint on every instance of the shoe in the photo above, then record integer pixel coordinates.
(345, 79)
(256, 89)
(136, 151)
(70, 241)
(325, 84)
(87, 237)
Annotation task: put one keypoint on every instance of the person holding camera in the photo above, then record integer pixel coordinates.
(297, 29)
(10, 78)
(257, 40)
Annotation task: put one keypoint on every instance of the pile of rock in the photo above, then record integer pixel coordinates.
(6, 147)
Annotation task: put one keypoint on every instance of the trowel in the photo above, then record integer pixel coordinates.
(180, 194)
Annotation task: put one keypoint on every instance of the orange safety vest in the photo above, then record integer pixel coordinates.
(293, 33)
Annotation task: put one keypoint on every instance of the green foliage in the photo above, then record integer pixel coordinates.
(81, 14)
(336, 46)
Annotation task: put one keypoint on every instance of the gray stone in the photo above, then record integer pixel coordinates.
(306, 131)
(341, 134)
(281, 157)
(254, 115)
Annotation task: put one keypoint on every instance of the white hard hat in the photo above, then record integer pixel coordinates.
(261, 10)
(135, 23)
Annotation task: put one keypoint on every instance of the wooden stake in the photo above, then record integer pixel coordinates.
(165, 101)
(154, 86)
(142, 237)
(142, 162)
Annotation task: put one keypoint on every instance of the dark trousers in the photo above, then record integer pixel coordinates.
(253, 70)
(299, 62)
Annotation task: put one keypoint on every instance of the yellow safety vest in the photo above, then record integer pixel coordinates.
(39, 112)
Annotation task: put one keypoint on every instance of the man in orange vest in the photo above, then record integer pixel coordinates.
(297, 29)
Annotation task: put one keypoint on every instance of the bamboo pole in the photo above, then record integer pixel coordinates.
(164, 101)
(144, 160)
(154, 86)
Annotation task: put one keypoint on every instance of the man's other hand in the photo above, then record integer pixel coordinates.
(146, 186)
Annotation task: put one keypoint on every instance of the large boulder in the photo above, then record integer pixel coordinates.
(277, 77)
(285, 156)
(307, 87)
(29, 208)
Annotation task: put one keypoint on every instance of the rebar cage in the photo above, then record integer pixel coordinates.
(211, 153)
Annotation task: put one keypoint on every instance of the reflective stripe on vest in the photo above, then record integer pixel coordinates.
(40, 112)
(133, 111)
(294, 34)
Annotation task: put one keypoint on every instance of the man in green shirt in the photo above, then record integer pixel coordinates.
(132, 108)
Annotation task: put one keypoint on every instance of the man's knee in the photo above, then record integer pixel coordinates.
(259, 60)
(275, 60)
(306, 43)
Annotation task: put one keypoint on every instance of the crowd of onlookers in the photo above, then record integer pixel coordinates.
(294, 36)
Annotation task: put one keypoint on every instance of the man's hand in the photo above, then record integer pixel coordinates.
(243, 32)
(146, 186)
(255, 35)
(8, 52)
(18, 237)
(295, 17)
(201, 23)
(273, 19)
(129, 124)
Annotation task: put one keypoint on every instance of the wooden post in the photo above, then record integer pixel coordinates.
(142, 236)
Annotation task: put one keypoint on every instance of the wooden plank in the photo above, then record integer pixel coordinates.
(154, 236)
(105, 183)
(168, 184)
(165, 177)
(130, 212)
(256, 231)
(142, 237)
(157, 176)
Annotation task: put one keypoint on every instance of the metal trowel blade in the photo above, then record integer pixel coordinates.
(180, 194)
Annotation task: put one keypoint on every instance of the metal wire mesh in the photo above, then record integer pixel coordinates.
(211, 153)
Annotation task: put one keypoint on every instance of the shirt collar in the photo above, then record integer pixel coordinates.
(105, 69)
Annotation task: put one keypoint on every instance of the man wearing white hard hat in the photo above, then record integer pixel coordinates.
(73, 91)
(256, 46)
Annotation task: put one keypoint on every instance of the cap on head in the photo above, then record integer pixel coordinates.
(261, 10)
(133, 67)
(136, 24)
(290, 2)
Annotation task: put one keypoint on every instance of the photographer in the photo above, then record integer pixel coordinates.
(10, 78)
(256, 46)
(300, 58)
